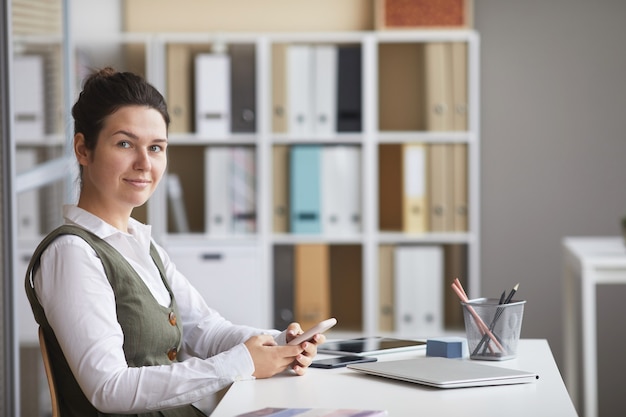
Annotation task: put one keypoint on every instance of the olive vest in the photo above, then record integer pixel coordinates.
(152, 335)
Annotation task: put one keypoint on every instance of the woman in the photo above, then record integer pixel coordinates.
(126, 331)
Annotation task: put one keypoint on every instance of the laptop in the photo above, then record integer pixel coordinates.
(445, 373)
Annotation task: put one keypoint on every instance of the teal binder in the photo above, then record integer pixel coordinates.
(304, 189)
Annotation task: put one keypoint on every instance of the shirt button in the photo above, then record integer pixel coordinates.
(172, 318)
(171, 354)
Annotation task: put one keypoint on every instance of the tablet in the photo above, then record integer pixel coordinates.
(370, 345)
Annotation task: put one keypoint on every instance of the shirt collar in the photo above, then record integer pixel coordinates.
(80, 217)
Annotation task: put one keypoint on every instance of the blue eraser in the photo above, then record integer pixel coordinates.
(445, 347)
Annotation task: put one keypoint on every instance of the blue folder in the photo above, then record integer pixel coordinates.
(304, 189)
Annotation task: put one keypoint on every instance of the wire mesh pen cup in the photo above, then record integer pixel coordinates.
(493, 329)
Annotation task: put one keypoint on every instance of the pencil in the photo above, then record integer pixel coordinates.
(496, 317)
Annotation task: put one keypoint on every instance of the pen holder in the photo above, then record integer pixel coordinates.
(492, 329)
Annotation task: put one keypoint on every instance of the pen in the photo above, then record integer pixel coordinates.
(496, 317)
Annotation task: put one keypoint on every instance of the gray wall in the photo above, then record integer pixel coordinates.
(553, 115)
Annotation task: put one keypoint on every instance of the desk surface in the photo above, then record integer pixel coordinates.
(343, 388)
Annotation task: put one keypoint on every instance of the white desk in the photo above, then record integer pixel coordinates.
(342, 388)
(588, 261)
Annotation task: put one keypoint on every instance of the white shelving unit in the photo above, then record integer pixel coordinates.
(263, 240)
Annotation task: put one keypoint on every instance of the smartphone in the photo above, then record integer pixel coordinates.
(341, 361)
(320, 327)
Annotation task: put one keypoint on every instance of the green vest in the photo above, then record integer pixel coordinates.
(151, 332)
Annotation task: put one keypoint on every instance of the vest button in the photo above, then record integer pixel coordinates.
(171, 354)
(172, 318)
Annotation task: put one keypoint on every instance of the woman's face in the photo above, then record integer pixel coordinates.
(128, 162)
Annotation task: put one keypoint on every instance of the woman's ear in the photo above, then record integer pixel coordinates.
(80, 149)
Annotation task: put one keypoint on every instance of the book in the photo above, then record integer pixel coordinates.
(313, 412)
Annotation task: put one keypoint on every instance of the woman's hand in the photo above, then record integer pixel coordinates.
(270, 359)
(309, 348)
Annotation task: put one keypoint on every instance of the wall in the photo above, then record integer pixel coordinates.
(553, 148)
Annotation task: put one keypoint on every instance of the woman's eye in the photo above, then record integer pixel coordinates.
(156, 148)
(124, 144)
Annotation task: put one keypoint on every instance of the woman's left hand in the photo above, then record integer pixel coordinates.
(309, 348)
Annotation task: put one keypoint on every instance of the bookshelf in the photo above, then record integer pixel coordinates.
(358, 299)
(238, 271)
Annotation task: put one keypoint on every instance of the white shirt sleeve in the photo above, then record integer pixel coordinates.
(80, 306)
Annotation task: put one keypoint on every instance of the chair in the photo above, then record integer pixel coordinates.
(48, 368)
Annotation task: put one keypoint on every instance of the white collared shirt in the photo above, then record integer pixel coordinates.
(79, 303)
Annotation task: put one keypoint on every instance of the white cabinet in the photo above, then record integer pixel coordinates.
(227, 277)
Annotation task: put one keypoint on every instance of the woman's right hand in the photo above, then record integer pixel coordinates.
(269, 358)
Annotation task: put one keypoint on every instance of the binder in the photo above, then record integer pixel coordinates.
(460, 188)
(299, 89)
(390, 187)
(455, 256)
(440, 183)
(311, 284)
(418, 290)
(279, 88)
(325, 89)
(415, 212)
(283, 285)
(349, 89)
(212, 94)
(438, 56)
(177, 204)
(346, 288)
(386, 291)
(179, 87)
(243, 189)
(218, 216)
(459, 85)
(305, 188)
(28, 202)
(401, 87)
(341, 189)
(29, 98)
(280, 188)
(243, 88)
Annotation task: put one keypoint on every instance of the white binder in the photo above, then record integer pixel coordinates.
(29, 98)
(218, 218)
(243, 189)
(418, 290)
(341, 189)
(28, 216)
(212, 94)
(300, 89)
(325, 94)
